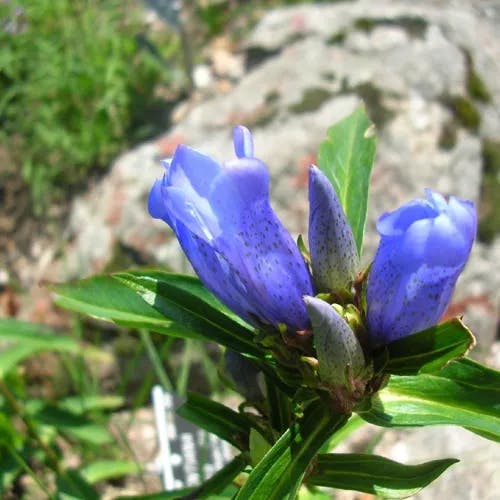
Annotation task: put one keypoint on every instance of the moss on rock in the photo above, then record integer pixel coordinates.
(464, 111)
(312, 99)
(489, 206)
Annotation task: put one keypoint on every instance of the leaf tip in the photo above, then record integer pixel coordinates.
(370, 131)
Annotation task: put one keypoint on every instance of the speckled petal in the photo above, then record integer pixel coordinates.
(424, 247)
(270, 265)
(232, 237)
(334, 256)
(216, 273)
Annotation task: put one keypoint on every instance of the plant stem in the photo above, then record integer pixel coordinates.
(18, 409)
(156, 361)
(20, 460)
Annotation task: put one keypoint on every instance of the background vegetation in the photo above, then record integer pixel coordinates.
(81, 81)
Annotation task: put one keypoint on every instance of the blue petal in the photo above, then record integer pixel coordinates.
(243, 142)
(424, 247)
(334, 255)
(156, 203)
(270, 265)
(397, 222)
(216, 273)
(192, 171)
(227, 228)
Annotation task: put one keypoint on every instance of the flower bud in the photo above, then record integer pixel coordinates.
(334, 257)
(244, 373)
(339, 352)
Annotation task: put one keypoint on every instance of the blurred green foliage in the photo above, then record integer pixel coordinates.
(75, 87)
(73, 394)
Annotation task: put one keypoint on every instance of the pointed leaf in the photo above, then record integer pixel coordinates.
(72, 486)
(432, 399)
(473, 374)
(108, 469)
(167, 303)
(346, 157)
(79, 427)
(106, 298)
(184, 300)
(218, 419)
(281, 470)
(374, 474)
(429, 350)
(26, 339)
(221, 479)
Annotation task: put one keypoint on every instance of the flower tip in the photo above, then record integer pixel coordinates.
(316, 308)
(243, 142)
(156, 205)
(166, 163)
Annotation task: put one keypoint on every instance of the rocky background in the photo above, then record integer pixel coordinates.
(429, 75)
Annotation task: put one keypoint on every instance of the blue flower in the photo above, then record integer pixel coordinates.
(223, 220)
(424, 246)
(334, 257)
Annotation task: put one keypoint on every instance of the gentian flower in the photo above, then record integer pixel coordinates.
(224, 222)
(334, 257)
(424, 246)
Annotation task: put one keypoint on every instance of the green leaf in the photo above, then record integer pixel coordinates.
(79, 405)
(258, 445)
(429, 350)
(72, 486)
(374, 474)
(106, 298)
(168, 303)
(281, 470)
(354, 423)
(473, 374)
(184, 300)
(164, 495)
(431, 399)
(278, 405)
(346, 157)
(9, 470)
(26, 339)
(221, 479)
(76, 426)
(10, 437)
(108, 469)
(218, 419)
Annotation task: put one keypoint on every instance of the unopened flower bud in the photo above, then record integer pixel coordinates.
(244, 373)
(339, 352)
(334, 256)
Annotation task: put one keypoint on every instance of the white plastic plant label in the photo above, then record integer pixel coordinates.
(188, 455)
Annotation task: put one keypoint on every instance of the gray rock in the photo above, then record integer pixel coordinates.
(401, 58)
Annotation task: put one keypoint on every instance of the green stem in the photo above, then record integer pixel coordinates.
(278, 406)
(19, 410)
(281, 471)
(156, 361)
(182, 379)
(28, 470)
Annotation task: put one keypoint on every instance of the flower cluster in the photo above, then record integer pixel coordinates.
(223, 219)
